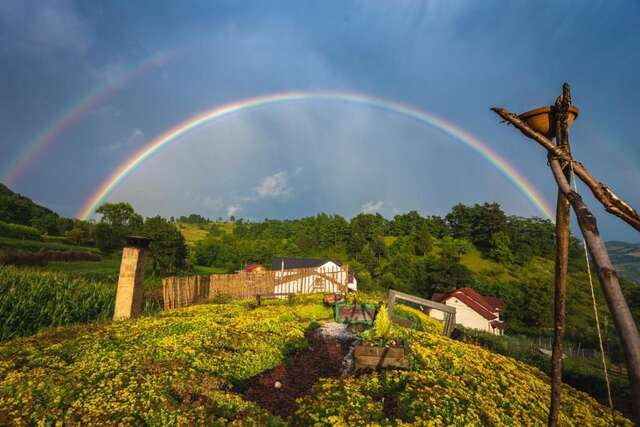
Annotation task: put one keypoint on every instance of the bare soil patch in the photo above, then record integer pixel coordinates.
(277, 390)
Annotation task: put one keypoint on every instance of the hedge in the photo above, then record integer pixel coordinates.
(18, 231)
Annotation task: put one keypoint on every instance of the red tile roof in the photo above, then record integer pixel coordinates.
(484, 306)
(252, 267)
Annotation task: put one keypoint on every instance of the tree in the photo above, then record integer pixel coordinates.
(368, 258)
(109, 238)
(406, 224)
(403, 270)
(364, 229)
(118, 221)
(378, 246)
(440, 275)
(500, 248)
(120, 215)
(453, 249)
(536, 309)
(168, 250)
(423, 242)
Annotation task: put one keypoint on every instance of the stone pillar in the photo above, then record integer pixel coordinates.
(129, 292)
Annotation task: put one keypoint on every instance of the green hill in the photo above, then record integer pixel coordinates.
(185, 367)
(18, 209)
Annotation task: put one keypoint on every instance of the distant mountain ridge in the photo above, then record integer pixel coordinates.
(626, 258)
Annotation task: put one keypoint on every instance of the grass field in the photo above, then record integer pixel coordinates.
(193, 233)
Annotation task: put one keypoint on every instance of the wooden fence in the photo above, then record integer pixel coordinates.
(185, 291)
(188, 290)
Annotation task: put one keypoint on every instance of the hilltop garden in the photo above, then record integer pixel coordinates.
(184, 367)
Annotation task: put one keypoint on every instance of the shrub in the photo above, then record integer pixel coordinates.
(41, 258)
(18, 231)
(37, 245)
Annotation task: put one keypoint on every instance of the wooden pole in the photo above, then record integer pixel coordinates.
(625, 325)
(611, 201)
(562, 263)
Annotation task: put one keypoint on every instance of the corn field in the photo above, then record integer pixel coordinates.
(31, 300)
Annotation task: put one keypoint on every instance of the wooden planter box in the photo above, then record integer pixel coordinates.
(375, 357)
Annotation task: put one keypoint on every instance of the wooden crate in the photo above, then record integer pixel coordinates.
(375, 357)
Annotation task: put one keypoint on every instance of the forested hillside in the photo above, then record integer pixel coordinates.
(18, 209)
(626, 257)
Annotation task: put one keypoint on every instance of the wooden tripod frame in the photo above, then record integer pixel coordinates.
(624, 323)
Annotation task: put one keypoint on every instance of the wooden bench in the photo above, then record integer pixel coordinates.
(260, 297)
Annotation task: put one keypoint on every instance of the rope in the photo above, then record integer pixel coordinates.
(595, 307)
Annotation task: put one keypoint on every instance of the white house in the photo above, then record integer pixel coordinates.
(304, 275)
(473, 310)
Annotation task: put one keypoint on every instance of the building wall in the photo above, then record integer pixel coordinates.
(312, 284)
(465, 316)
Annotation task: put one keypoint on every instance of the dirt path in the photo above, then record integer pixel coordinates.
(277, 390)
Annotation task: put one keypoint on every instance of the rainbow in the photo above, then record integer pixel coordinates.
(73, 115)
(219, 112)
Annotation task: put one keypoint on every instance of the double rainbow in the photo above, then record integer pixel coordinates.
(72, 115)
(219, 112)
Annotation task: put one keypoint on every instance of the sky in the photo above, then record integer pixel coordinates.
(86, 85)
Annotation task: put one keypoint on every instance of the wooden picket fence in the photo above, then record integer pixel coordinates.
(188, 290)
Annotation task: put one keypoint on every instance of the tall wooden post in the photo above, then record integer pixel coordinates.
(562, 260)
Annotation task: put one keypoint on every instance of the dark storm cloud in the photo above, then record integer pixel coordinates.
(453, 58)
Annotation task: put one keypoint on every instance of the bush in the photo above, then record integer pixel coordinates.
(57, 239)
(38, 245)
(42, 258)
(18, 231)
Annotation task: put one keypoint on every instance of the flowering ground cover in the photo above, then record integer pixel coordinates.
(180, 368)
(449, 383)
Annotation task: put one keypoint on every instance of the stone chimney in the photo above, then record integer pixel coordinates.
(129, 292)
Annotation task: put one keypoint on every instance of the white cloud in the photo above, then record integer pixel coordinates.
(274, 186)
(135, 135)
(372, 207)
(232, 210)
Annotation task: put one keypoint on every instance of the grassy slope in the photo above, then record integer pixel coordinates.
(193, 233)
(178, 367)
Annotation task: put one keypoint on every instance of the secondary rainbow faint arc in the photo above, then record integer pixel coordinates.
(125, 168)
(74, 113)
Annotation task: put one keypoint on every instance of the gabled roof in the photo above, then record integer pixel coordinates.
(277, 262)
(484, 306)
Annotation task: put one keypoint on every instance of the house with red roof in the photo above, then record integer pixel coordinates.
(254, 268)
(473, 310)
